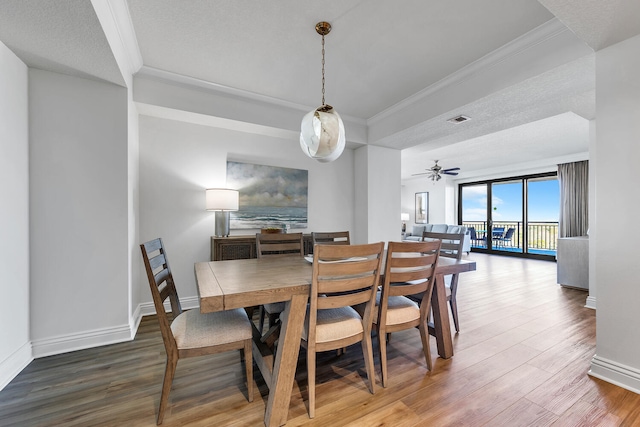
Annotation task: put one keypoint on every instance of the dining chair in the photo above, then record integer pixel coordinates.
(192, 333)
(343, 276)
(276, 245)
(507, 237)
(475, 238)
(330, 238)
(451, 247)
(409, 270)
(497, 233)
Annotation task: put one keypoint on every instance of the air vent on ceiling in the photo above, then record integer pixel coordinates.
(459, 119)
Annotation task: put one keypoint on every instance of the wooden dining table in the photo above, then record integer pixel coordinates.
(225, 285)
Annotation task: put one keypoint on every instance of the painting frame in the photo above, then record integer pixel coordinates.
(422, 207)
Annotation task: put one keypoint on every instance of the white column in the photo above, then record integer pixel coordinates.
(617, 358)
(377, 194)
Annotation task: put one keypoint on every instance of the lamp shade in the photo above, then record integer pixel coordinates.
(404, 217)
(221, 199)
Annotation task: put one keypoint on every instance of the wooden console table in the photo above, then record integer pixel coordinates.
(243, 247)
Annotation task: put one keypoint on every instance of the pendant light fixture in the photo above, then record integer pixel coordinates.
(322, 131)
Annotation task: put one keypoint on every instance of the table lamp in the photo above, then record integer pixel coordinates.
(222, 201)
(404, 217)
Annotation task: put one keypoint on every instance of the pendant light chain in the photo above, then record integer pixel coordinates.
(322, 70)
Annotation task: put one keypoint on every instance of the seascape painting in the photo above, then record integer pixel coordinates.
(269, 196)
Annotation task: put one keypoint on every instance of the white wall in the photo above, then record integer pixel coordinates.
(593, 232)
(437, 200)
(179, 160)
(133, 222)
(15, 350)
(378, 194)
(79, 213)
(617, 358)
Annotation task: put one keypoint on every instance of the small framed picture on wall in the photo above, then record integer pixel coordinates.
(422, 208)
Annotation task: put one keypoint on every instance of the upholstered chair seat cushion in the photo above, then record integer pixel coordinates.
(192, 329)
(399, 310)
(334, 324)
(274, 307)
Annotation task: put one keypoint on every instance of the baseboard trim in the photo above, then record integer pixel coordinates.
(15, 363)
(80, 341)
(99, 337)
(591, 302)
(615, 373)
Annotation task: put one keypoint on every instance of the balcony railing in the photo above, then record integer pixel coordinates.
(542, 236)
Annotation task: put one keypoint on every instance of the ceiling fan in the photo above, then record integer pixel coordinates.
(435, 172)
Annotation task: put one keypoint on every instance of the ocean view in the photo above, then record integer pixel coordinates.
(255, 217)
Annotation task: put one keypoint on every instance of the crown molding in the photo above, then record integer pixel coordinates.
(217, 89)
(116, 23)
(538, 35)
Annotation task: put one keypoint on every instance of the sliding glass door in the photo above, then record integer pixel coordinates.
(516, 216)
(507, 216)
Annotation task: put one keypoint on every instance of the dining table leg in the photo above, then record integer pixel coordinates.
(441, 325)
(284, 369)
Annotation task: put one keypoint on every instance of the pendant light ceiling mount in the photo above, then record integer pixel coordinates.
(322, 134)
(323, 28)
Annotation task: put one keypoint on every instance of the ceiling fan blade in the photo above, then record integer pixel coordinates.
(450, 170)
(421, 173)
(449, 173)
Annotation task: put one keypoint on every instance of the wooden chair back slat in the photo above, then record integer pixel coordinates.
(347, 284)
(279, 244)
(341, 284)
(407, 262)
(451, 243)
(412, 276)
(162, 287)
(330, 238)
(343, 300)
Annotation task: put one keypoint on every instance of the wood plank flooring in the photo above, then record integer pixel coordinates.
(521, 359)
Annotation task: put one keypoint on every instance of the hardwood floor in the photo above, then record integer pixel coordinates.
(521, 359)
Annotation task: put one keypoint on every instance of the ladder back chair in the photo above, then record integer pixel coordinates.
(330, 238)
(192, 333)
(451, 248)
(276, 245)
(409, 269)
(342, 276)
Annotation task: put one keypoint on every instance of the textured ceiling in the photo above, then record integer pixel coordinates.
(377, 53)
(378, 56)
(63, 36)
(600, 23)
(560, 136)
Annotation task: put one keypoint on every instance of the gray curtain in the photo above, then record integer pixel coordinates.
(574, 198)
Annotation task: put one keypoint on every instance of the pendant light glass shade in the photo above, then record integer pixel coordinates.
(322, 134)
(322, 131)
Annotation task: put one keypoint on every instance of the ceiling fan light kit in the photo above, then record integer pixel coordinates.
(435, 172)
(322, 135)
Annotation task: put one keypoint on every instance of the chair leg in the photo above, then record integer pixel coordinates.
(261, 315)
(424, 335)
(311, 380)
(169, 372)
(382, 348)
(454, 313)
(248, 365)
(367, 352)
(273, 319)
